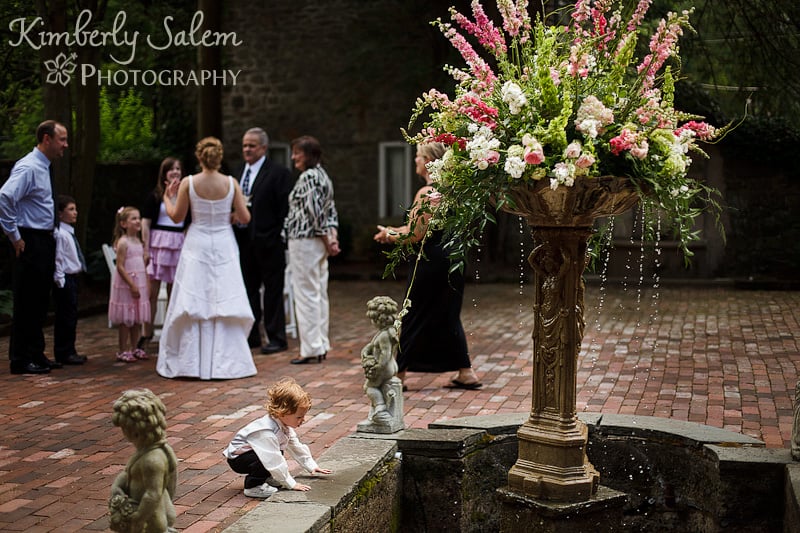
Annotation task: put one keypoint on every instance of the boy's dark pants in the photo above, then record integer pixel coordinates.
(248, 463)
(66, 320)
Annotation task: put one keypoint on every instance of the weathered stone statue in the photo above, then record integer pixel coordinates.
(141, 496)
(796, 424)
(384, 390)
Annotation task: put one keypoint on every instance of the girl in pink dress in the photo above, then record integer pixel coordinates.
(129, 303)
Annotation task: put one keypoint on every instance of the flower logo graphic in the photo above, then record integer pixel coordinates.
(60, 69)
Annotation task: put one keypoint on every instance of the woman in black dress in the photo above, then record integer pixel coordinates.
(431, 337)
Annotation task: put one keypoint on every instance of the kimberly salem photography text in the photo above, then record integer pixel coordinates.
(123, 44)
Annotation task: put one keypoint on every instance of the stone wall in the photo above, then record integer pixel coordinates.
(345, 72)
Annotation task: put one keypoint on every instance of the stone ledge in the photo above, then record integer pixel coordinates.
(631, 425)
(628, 425)
(453, 441)
(353, 462)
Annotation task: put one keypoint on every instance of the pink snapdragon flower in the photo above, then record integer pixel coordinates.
(484, 76)
(580, 159)
(515, 17)
(449, 139)
(437, 100)
(701, 130)
(555, 75)
(579, 62)
(638, 15)
(585, 160)
(483, 28)
(639, 151)
(663, 44)
(628, 140)
(475, 108)
(533, 153)
(624, 141)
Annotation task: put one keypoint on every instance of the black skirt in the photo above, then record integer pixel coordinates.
(432, 338)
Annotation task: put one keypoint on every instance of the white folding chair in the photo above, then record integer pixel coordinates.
(288, 301)
(111, 262)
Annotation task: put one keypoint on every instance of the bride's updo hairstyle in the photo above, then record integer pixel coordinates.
(209, 153)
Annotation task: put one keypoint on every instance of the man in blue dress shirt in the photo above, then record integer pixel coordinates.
(27, 217)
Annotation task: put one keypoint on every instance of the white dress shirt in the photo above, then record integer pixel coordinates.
(67, 260)
(268, 437)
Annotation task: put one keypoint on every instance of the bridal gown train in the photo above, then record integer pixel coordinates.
(208, 317)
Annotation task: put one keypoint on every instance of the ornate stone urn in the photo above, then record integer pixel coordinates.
(552, 462)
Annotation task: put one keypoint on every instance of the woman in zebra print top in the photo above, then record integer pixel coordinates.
(312, 234)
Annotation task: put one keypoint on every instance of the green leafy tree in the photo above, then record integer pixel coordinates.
(126, 124)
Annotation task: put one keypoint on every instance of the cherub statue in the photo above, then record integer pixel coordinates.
(384, 391)
(141, 496)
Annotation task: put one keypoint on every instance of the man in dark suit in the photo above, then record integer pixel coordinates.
(266, 186)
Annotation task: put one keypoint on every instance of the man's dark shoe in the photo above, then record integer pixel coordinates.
(49, 363)
(254, 342)
(73, 359)
(29, 368)
(274, 348)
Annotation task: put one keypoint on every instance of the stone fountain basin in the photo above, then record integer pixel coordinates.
(656, 474)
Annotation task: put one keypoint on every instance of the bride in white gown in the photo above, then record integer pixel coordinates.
(208, 317)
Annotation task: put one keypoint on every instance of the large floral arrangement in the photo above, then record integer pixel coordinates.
(561, 103)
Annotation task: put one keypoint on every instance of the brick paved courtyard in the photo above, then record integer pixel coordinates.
(713, 355)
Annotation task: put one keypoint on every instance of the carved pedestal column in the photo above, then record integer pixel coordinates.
(552, 462)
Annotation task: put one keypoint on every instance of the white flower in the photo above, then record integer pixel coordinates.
(592, 116)
(512, 95)
(589, 126)
(680, 191)
(562, 172)
(435, 168)
(573, 150)
(481, 147)
(515, 166)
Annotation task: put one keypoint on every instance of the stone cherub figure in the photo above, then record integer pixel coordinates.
(141, 496)
(384, 390)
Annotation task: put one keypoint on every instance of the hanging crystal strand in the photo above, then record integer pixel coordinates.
(605, 259)
(652, 326)
(478, 250)
(629, 259)
(636, 345)
(641, 263)
(522, 268)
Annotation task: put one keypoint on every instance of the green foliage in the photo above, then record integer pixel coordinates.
(126, 127)
(6, 303)
(24, 116)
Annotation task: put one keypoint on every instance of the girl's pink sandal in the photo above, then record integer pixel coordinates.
(126, 357)
(138, 353)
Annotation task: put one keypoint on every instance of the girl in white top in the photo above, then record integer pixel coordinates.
(257, 449)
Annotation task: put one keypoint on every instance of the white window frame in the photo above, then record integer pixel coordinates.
(385, 210)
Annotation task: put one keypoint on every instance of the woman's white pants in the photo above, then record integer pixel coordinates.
(308, 261)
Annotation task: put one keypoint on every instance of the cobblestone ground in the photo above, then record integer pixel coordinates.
(718, 356)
